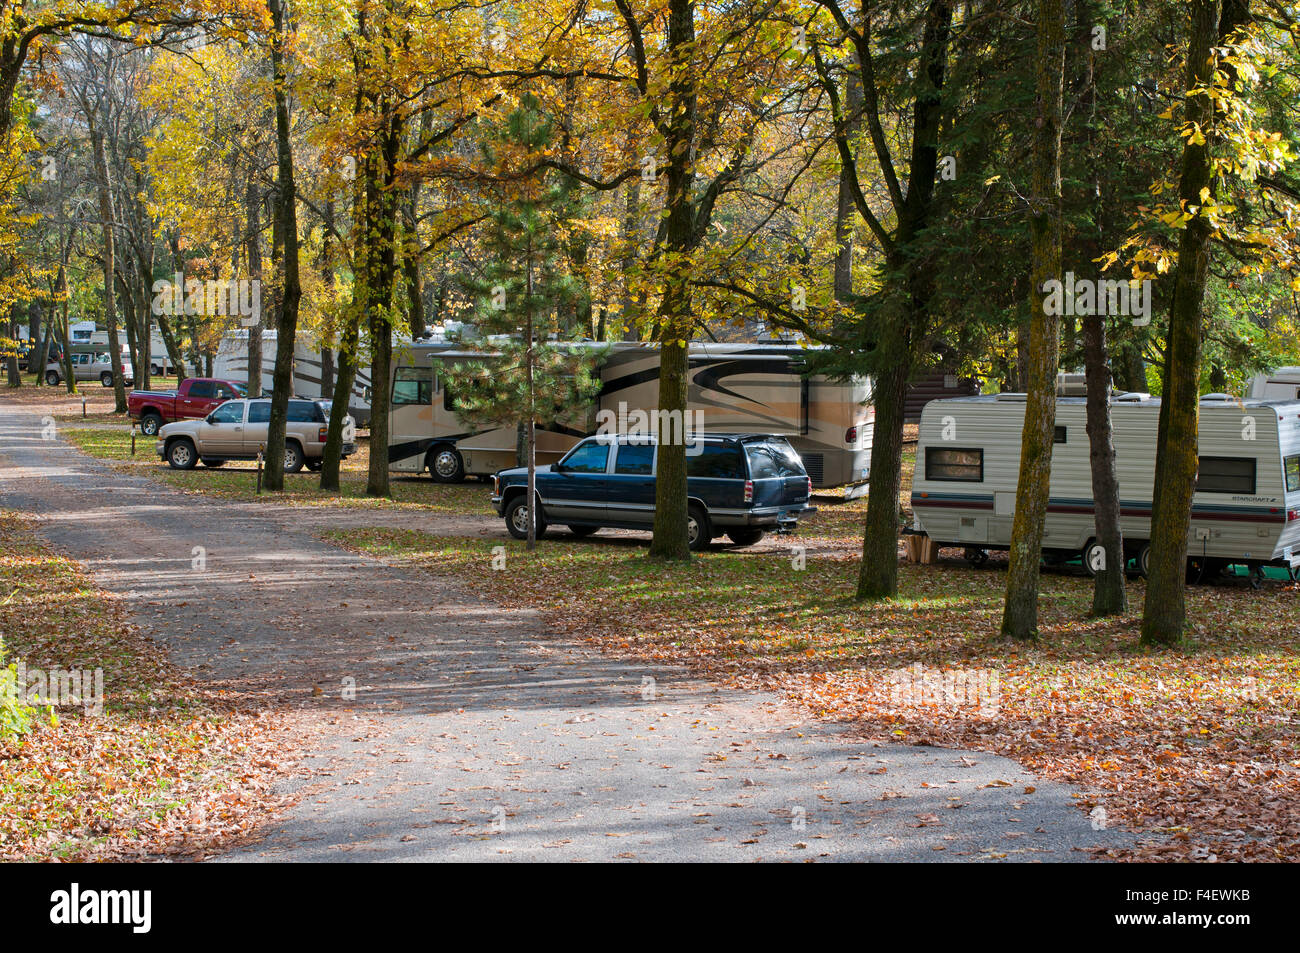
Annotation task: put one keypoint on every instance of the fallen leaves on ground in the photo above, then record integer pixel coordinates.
(1198, 743)
(170, 768)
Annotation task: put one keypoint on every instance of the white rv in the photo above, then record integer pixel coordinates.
(231, 361)
(88, 333)
(1246, 509)
(1282, 383)
(746, 388)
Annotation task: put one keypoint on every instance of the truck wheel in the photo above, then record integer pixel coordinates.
(446, 465)
(745, 537)
(181, 455)
(293, 458)
(106, 379)
(52, 378)
(517, 519)
(149, 424)
(699, 531)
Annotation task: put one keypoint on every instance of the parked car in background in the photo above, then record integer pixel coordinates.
(739, 484)
(237, 430)
(89, 366)
(194, 398)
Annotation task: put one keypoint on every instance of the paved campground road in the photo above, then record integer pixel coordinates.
(478, 735)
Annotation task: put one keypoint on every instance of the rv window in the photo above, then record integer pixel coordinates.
(413, 385)
(717, 461)
(1058, 435)
(1292, 474)
(942, 463)
(635, 458)
(1226, 475)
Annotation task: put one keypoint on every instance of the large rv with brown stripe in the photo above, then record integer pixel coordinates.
(1245, 511)
(733, 388)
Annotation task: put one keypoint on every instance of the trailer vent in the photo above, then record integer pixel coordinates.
(812, 462)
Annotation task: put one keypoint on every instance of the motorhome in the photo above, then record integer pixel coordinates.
(231, 361)
(736, 388)
(1245, 510)
(1282, 383)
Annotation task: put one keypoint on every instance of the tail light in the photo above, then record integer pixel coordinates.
(1292, 515)
(324, 432)
(749, 491)
(851, 435)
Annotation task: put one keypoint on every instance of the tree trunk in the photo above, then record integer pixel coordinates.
(1108, 595)
(253, 253)
(347, 372)
(845, 212)
(670, 525)
(287, 226)
(878, 573)
(1033, 489)
(110, 303)
(1164, 614)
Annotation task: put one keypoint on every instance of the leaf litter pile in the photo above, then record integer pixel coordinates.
(1196, 748)
(169, 769)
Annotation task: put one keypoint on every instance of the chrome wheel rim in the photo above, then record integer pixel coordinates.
(692, 530)
(150, 426)
(444, 464)
(289, 459)
(181, 454)
(520, 519)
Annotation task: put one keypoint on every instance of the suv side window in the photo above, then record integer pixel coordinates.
(229, 413)
(202, 389)
(259, 412)
(719, 461)
(301, 412)
(588, 458)
(635, 458)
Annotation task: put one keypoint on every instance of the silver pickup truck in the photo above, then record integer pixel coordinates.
(90, 367)
(237, 430)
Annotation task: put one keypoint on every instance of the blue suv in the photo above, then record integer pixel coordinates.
(738, 484)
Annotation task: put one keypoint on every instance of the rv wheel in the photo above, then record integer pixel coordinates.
(446, 465)
(1144, 560)
(1094, 557)
(976, 557)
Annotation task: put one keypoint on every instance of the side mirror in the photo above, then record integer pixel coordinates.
(559, 468)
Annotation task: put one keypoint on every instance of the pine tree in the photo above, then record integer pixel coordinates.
(526, 284)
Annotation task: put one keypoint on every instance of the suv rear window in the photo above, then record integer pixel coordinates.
(303, 412)
(717, 461)
(773, 460)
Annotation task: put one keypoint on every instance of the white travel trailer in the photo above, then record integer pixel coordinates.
(754, 388)
(231, 361)
(89, 333)
(1282, 383)
(1246, 509)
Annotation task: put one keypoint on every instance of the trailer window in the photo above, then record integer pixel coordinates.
(1058, 435)
(413, 385)
(1226, 475)
(1292, 474)
(943, 463)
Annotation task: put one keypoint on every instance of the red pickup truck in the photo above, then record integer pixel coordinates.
(196, 397)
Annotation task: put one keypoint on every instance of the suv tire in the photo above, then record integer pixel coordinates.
(181, 455)
(293, 458)
(106, 379)
(517, 522)
(699, 530)
(52, 378)
(745, 537)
